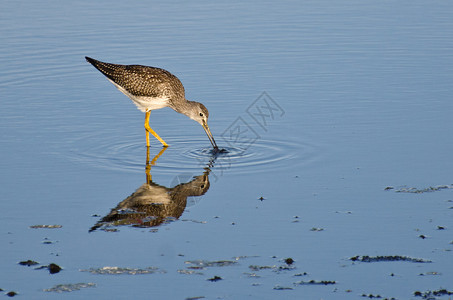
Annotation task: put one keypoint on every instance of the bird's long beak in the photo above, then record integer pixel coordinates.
(208, 132)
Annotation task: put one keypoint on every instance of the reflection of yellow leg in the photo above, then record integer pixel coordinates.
(149, 129)
(148, 166)
(153, 162)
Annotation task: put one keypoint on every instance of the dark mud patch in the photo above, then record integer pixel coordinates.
(388, 258)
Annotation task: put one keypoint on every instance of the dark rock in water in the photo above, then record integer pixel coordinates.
(54, 268)
(215, 278)
(11, 294)
(28, 263)
(289, 261)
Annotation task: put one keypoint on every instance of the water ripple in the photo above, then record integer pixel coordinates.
(186, 155)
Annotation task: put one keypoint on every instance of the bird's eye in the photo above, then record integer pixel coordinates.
(201, 115)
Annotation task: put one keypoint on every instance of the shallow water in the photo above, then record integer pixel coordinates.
(323, 108)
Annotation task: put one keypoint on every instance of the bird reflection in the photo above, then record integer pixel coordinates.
(153, 204)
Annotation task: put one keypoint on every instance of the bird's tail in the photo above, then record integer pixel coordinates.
(105, 68)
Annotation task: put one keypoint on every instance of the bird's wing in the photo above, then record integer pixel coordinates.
(139, 80)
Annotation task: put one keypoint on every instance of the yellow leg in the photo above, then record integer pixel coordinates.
(149, 129)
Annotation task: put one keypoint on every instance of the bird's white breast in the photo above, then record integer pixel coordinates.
(144, 103)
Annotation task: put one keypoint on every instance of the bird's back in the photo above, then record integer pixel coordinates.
(142, 81)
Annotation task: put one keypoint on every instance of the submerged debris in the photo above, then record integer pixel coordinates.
(120, 271)
(60, 288)
(193, 221)
(430, 273)
(432, 294)
(258, 268)
(371, 296)
(366, 258)
(314, 282)
(423, 190)
(215, 278)
(251, 275)
(282, 288)
(274, 268)
(28, 263)
(205, 263)
(317, 229)
(189, 272)
(46, 226)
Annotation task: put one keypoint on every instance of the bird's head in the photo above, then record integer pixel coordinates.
(199, 113)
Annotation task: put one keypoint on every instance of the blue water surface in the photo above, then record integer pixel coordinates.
(337, 118)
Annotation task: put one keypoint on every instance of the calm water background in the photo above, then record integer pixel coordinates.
(365, 87)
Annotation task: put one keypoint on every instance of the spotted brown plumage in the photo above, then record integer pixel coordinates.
(153, 88)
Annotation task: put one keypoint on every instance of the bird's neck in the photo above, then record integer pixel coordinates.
(184, 107)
